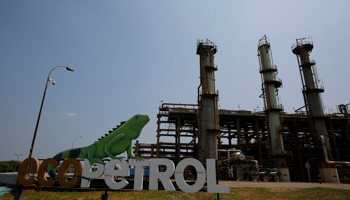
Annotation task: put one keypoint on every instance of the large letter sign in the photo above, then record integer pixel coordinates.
(85, 183)
(25, 169)
(110, 172)
(139, 166)
(211, 179)
(42, 171)
(164, 177)
(121, 168)
(62, 173)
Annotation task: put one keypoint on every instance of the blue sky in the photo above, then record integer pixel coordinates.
(128, 55)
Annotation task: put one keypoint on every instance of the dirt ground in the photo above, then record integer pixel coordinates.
(285, 185)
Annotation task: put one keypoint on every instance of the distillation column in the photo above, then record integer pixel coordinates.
(314, 107)
(270, 85)
(208, 117)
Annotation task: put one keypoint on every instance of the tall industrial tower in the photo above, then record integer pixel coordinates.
(314, 107)
(270, 85)
(208, 117)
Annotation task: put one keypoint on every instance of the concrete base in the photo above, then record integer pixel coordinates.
(285, 175)
(329, 175)
(9, 178)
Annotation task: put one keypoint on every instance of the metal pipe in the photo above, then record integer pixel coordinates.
(256, 168)
(266, 173)
(326, 156)
(74, 140)
(18, 155)
(234, 150)
(199, 121)
(175, 104)
(275, 173)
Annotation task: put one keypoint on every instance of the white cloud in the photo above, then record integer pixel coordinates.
(70, 114)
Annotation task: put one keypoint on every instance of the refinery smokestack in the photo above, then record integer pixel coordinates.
(270, 85)
(208, 117)
(314, 106)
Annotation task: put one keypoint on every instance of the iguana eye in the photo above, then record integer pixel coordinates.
(136, 117)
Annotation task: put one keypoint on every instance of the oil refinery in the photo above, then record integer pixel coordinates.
(270, 145)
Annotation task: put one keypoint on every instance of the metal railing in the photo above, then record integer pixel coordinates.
(279, 107)
(263, 41)
(216, 92)
(302, 41)
(274, 79)
(179, 106)
(207, 42)
(272, 67)
(314, 87)
(212, 65)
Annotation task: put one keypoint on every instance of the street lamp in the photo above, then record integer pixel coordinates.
(74, 139)
(42, 103)
(17, 160)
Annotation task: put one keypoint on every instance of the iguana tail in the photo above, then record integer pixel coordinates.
(70, 153)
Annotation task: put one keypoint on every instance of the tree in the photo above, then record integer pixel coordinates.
(9, 166)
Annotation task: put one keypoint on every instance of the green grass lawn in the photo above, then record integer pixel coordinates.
(235, 193)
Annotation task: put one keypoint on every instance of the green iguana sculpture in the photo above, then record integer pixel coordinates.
(113, 144)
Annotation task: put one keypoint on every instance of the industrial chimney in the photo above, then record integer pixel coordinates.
(270, 85)
(314, 107)
(208, 116)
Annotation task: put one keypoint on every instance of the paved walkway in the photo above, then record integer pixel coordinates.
(285, 185)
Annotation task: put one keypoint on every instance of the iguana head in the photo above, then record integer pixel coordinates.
(135, 125)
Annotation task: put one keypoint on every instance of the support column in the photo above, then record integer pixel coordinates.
(257, 133)
(158, 135)
(334, 141)
(177, 142)
(238, 134)
(299, 156)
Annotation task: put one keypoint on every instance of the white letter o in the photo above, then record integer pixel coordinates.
(179, 178)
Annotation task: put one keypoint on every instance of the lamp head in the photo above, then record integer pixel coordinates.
(70, 69)
(53, 81)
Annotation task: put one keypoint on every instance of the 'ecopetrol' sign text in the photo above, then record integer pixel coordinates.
(110, 170)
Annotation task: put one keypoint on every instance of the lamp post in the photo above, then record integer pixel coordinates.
(74, 139)
(42, 103)
(17, 160)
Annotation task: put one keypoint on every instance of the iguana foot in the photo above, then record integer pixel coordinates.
(137, 158)
(95, 160)
(119, 158)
